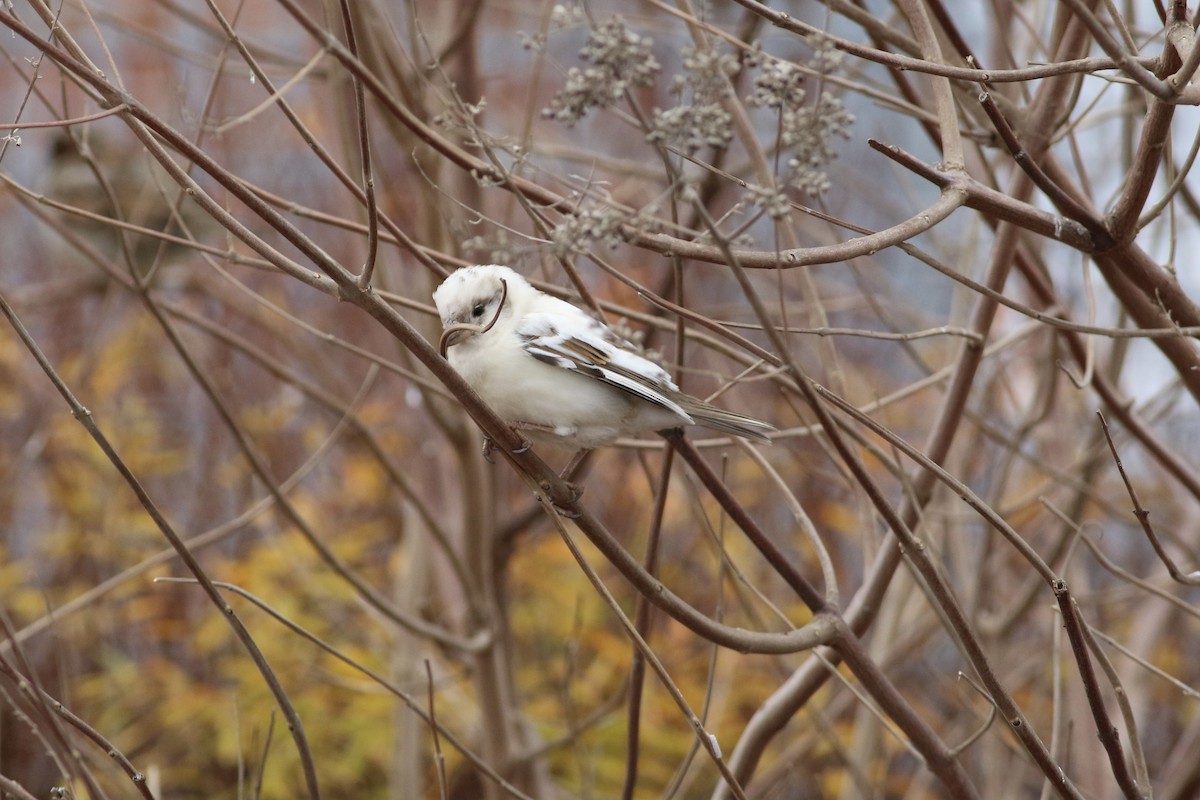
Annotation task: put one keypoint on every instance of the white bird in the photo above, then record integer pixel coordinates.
(556, 373)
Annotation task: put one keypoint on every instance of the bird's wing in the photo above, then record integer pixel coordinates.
(579, 343)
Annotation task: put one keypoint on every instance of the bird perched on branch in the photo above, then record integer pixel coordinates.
(557, 374)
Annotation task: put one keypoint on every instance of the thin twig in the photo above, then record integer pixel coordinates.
(438, 758)
(642, 620)
(1109, 736)
(364, 147)
(707, 740)
(1143, 516)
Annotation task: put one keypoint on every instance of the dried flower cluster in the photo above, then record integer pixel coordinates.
(700, 119)
(809, 132)
(806, 130)
(779, 85)
(563, 17)
(620, 59)
(576, 233)
(497, 248)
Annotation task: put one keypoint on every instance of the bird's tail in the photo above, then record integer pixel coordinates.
(718, 419)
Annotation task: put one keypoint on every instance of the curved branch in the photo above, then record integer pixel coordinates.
(785, 21)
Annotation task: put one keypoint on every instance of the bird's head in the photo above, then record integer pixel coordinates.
(473, 299)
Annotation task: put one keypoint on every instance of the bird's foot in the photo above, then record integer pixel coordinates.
(489, 447)
(535, 427)
(567, 513)
(564, 510)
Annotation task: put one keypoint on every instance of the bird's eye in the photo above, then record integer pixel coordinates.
(477, 311)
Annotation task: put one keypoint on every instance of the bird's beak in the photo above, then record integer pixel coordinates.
(453, 334)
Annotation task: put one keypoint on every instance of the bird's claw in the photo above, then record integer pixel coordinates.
(489, 447)
(564, 510)
(567, 513)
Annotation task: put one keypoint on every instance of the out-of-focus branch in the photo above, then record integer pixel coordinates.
(785, 21)
(1126, 60)
(947, 111)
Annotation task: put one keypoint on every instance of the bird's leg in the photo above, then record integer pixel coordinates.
(536, 427)
(488, 447)
(574, 464)
(566, 475)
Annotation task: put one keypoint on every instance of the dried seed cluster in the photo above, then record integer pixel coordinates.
(620, 59)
